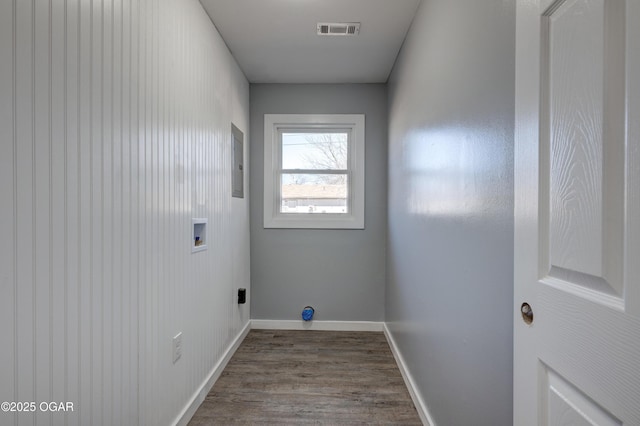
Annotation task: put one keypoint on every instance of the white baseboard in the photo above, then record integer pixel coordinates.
(416, 396)
(192, 406)
(316, 325)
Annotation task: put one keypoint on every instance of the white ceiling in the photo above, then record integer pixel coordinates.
(275, 41)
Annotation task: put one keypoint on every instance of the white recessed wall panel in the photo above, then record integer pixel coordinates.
(116, 120)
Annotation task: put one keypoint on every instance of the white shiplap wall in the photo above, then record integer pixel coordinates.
(115, 123)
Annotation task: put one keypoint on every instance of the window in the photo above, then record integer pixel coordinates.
(314, 171)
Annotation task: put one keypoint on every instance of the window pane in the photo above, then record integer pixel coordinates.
(314, 193)
(315, 151)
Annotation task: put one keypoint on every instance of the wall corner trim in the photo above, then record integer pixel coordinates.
(198, 397)
(258, 324)
(416, 396)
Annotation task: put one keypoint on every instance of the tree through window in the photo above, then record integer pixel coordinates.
(314, 172)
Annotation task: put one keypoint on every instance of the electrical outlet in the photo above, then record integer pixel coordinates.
(177, 347)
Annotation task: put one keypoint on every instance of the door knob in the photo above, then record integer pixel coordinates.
(527, 313)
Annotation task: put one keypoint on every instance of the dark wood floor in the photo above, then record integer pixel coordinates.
(309, 377)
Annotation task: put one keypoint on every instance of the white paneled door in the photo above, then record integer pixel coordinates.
(577, 224)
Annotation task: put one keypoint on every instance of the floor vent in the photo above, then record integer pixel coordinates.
(338, 28)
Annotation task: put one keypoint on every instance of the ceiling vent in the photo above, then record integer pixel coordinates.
(338, 28)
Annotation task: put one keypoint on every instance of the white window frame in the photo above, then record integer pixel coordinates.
(274, 125)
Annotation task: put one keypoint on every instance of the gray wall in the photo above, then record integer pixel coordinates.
(450, 252)
(341, 273)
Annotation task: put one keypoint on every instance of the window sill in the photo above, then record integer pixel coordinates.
(315, 221)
